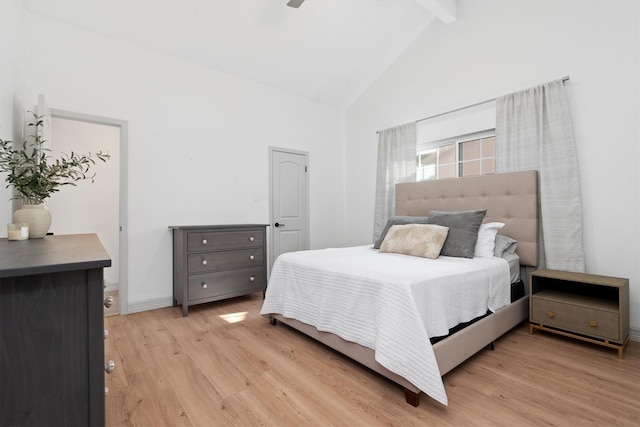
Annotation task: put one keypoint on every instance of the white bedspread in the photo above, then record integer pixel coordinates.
(390, 303)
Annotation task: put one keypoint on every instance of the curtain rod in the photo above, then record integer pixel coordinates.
(564, 79)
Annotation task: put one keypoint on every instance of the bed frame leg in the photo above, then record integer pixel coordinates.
(272, 320)
(492, 345)
(412, 398)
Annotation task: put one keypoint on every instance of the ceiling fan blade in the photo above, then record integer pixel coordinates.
(295, 3)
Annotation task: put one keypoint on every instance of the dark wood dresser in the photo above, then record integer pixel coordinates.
(52, 331)
(214, 262)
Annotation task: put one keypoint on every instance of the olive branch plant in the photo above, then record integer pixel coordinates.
(33, 172)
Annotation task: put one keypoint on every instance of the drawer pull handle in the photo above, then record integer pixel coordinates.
(252, 278)
(593, 323)
(251, 239)
(110, 366)
(251, 257)
(108, 302)
(204, 262)
(204, 241)
(551, 313)
(204, 285)
(106, 391)
(106, 334)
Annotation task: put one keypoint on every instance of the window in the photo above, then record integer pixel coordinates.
(466, 155)
(457, 143)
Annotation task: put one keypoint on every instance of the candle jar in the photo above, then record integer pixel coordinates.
(17, 232)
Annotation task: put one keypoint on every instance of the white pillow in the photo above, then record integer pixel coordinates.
(487, 239)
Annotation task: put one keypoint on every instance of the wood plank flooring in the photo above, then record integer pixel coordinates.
(225, 365)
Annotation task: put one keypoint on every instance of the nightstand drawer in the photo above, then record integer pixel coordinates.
(212, 261)
(223, 283)
(584, 320)
(221, 240)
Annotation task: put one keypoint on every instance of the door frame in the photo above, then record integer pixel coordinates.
(271, 207)
(123, 193)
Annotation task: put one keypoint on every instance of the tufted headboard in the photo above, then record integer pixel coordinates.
(511, 198)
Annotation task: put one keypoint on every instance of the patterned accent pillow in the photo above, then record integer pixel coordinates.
(398, 220)
(422, 240)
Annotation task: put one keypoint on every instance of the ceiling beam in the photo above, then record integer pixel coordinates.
(295, 3)
(444, 10)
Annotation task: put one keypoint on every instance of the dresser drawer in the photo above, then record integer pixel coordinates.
(575, 318)
(221, 240)
(212, 261)
(213, 285)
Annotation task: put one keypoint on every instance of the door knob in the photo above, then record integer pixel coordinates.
(277, 224)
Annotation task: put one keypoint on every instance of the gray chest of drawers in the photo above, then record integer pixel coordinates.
(214, 262)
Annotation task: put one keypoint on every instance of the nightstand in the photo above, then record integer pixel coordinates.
(582, 306)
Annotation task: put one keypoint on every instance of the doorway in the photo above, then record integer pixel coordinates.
(102, 204)
(289, 201)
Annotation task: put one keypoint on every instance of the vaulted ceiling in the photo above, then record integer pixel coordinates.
(325, 50)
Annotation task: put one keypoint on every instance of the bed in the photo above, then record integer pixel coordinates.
(510, 198)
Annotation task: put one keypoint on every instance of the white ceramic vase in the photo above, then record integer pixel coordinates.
(36, 217)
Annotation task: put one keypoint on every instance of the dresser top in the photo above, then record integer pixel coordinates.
(216, 227)
(52, 254)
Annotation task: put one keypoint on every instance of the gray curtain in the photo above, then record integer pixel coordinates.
(396, 163)
(534, 131)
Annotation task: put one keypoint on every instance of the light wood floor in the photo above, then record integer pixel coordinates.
(225, 365)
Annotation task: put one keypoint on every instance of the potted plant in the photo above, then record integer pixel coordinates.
(35, 175)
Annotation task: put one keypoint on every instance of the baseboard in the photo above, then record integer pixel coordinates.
(150, 304)
(112, 286)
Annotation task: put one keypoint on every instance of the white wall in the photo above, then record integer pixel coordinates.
(501, 46)
(198, 140)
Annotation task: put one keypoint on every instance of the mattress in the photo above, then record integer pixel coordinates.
(390, 303)
(514, 266)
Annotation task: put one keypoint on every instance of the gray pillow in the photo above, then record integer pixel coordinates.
(504, 246)
(398, 220)
(463, 231)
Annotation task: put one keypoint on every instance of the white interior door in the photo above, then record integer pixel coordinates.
(94, 207)
(289, 202)
(89, 207)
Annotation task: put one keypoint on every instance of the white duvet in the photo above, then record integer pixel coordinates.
(390, 303)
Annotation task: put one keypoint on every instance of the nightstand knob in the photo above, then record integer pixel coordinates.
(252, 278)
(551, 313)
(204, 241)
(108, 302)
(251, 257)
(593, 323)
(110, 366)
(204, 285)
(251, 239)
(204, 262)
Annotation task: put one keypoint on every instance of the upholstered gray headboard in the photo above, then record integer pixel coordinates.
(511, 198)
